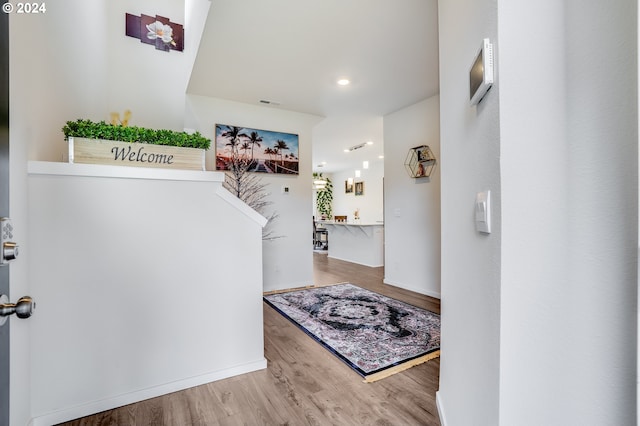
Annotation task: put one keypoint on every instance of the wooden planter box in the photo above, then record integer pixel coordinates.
(115, 153)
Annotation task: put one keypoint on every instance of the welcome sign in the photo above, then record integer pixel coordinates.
(116, 153)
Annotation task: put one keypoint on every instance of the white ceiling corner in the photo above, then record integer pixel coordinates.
(293, 52)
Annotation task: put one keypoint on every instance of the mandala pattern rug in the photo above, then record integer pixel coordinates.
(375, 335)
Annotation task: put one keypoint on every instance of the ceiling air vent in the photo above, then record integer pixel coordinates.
(268, 102)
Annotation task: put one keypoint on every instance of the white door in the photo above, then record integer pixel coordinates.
(4, 208)
(8, 248)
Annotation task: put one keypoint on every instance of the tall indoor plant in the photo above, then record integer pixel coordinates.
(324, 196)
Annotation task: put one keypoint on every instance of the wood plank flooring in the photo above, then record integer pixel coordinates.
(303, 384)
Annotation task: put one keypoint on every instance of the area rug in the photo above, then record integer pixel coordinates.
(375, 335)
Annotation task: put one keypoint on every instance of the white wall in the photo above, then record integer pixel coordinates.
(75, 61)
(537, 283)
(575, 261)
(61, 68)
(526, 309)
(370, 203)
(51, 84)
(58, 72)
(142, 286)
(412, 206)
(97, 73)
(151, 83)
(287, 261)
(471, 275)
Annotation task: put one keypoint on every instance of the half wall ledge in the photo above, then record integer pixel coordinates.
(169, 252)
(124, 172)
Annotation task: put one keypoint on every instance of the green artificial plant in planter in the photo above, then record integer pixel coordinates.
(101, 130)
(324, 197)
(114, 144)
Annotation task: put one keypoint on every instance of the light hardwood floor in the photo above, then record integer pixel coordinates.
(303, 384)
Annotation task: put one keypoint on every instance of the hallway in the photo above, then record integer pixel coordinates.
(303, 383)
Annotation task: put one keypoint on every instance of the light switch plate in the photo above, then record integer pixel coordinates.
(483, 212)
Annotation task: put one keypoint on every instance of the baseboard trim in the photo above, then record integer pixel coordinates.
(412, 288)
(289, 287)
(357, 263)
(93, 407)
(443, 418)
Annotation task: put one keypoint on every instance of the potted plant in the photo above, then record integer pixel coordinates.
(102, 143)
(324, 196)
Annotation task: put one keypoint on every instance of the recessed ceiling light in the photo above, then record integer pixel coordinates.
(381, 156)
(369, 142)
(344, 82)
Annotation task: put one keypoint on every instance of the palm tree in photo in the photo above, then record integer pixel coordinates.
(281, 146)
(245, 147)
(270, 152)
(233, 134)
(254, 139)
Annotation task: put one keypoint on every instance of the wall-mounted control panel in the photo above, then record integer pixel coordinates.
(481, 73)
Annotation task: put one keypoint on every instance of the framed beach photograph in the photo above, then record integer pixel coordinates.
(359, 188)
(348, 187)
(266, 151)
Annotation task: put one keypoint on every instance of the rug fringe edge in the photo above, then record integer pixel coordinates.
(401, 367)
(288, 290)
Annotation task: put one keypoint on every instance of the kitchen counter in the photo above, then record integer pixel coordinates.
(356, 242)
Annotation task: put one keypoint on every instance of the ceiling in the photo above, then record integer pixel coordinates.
(292, 52)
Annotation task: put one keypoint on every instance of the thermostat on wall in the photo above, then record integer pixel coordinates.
(481, 73)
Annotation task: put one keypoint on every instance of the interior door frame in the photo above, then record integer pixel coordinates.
(4, 210)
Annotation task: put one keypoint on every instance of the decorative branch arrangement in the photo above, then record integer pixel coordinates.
(249, 188)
